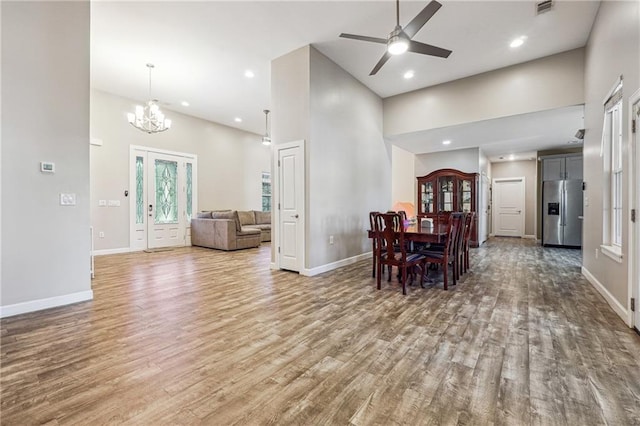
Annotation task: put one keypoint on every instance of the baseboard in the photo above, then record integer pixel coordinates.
(40, 304)
(273, 265)
(334, 265)
(529, 237)
(114, 251)
(612, 301)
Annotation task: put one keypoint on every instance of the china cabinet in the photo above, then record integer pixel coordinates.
(448, 190)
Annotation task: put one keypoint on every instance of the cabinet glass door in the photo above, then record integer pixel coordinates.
(445, 193)
(427, 197)
(465, 195)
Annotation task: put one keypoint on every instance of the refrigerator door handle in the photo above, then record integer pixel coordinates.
(563, 205)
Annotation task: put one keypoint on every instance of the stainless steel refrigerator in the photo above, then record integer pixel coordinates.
(562, 213)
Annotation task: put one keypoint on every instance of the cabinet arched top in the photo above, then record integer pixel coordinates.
(448, 172)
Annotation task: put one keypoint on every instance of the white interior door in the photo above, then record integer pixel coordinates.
(508, 207)
(634, 191)
(290, 203)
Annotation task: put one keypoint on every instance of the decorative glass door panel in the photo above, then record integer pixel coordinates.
(166, 209)
(445, 195)
(140, 190)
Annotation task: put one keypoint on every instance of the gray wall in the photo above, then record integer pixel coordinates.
(613, 49)
(348, 165)
(526, 168)
(546, 83)
(230, 163)
(45, 106)
(466, 160)
(403, 180)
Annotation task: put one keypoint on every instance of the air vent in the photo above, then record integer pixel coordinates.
(544, 6)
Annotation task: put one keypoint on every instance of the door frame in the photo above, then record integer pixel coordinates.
(634, 203)
(275, 206)
(523, 191)
(132, 185)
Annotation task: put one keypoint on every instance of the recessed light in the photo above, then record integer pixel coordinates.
(249, 74)
(517, 42)
(409, 74)
(184, 103)
(447, 142)
(512, 157)
(238, 120)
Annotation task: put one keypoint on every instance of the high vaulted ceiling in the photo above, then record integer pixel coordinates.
(201, 50)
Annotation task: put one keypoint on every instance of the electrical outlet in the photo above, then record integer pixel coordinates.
(102, 203)
(597, 253)
(330, 239)
(101, 234)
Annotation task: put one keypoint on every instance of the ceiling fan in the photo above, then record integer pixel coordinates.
(400, 39)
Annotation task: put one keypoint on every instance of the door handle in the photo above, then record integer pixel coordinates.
(150, 210)
(295, 216)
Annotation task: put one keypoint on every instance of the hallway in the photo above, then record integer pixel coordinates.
(198, 336)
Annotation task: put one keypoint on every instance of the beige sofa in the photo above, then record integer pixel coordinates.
(258, 220)
(230, 229)
(222, 230)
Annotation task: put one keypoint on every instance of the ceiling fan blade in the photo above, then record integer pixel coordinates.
(427, 49)
(364, 38)
(380, 63)
(421, 18)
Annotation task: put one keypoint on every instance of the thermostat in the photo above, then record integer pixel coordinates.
(47, 167)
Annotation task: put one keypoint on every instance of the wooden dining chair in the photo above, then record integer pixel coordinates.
(467, 240)
(447, 256)
(374, 242)
(393, 249)
(459, 249)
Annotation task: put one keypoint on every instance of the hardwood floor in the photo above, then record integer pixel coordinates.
(199, 336)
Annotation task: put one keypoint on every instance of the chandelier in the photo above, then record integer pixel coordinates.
(266, 139)
(149, 118)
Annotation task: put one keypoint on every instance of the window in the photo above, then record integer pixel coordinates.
(266, 191)
(613, 168)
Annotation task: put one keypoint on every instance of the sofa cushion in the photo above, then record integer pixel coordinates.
(247, 218)
(262, 226)
(204, 215)
(233, 215)
(248, 231)
(263, 217)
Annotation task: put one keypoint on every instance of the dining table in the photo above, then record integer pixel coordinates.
(416, 232)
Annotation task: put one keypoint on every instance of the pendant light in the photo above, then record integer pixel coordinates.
(266, 139)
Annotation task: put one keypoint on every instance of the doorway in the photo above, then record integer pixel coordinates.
(289, 198)
(163, 198)
(508, 206)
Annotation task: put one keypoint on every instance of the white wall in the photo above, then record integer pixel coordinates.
(349, 163)
(526, 168)
(613, 49)
(465, 160)
(546, 83)
(45, 106)
(403, 177)
(230, 163)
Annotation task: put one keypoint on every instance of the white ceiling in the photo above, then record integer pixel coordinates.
(202, 49)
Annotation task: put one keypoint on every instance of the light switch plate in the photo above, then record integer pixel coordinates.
(102, 203)
(67, 199)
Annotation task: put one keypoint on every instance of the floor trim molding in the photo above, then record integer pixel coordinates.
(120, 250)
(612, 301)
(334, 265)
(40, 304)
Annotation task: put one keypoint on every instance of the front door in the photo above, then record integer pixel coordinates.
(508, 207)
(163, 189)
(290, 202)
(634, 267)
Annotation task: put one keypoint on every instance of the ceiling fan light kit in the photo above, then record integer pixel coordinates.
(400, 40)
(149, 118)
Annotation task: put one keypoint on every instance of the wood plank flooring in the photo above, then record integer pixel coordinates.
(199, 336)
